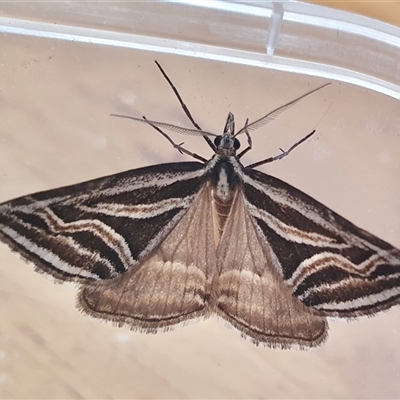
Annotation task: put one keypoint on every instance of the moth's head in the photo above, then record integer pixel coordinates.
(227, 144)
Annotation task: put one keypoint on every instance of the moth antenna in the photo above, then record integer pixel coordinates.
(275, 113)
(171, 127)
(178, 147)
(183, 105)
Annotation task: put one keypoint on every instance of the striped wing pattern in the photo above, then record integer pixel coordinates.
(99, 229)
(147, 248)
(332, 266)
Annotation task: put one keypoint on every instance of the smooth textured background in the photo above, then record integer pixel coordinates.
(55, 130)
(386, 11)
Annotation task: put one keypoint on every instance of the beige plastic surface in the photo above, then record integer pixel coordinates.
(55, 130)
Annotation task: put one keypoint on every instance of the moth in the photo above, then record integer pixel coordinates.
(161, 245)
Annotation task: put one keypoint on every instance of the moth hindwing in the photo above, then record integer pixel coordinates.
(157, 246)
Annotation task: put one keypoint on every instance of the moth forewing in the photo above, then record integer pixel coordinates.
(331, 265)
(99, 229)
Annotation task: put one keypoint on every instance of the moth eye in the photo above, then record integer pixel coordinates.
(236, 144)
(217, 141)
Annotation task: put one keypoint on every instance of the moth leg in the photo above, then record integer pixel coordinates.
(183, 105)
(176, 146)
(283, 154)
(249, 141)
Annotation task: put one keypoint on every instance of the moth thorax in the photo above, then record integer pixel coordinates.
(222, 194)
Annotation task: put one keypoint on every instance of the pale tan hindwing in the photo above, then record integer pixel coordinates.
(250, 293)
(171, 285)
